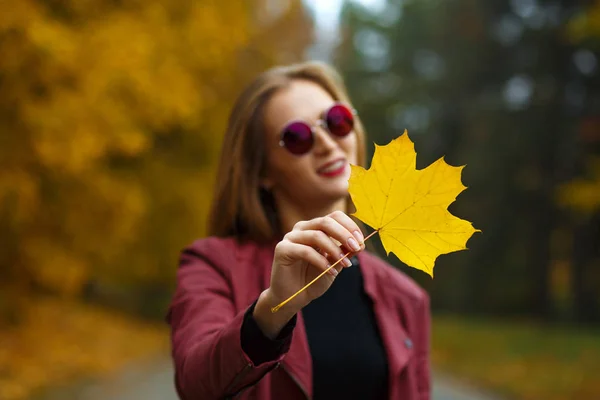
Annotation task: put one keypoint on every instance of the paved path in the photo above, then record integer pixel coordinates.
(155, 382)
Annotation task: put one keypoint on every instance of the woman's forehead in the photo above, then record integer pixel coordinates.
(302, 99)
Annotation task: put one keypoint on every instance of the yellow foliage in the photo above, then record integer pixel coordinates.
(583, 194)
(585, 24)
(408, 206)
(111, 116)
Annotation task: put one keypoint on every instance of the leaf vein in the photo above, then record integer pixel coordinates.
(428, 242)
(388, 193)
(445, 241)
(362, 185)
(397, 228)
(409, 249)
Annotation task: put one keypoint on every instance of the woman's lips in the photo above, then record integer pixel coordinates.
(334, 168)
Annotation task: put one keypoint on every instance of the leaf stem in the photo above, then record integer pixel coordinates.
(277, 307)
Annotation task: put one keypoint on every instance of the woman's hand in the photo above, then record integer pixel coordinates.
(301, 256)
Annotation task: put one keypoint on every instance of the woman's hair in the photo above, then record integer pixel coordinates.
(240, 207)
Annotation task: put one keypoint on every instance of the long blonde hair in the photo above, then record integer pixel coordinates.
(240, 207)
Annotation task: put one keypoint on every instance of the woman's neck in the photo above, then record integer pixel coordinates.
(289, 214)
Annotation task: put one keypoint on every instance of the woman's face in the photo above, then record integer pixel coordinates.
(318, 178)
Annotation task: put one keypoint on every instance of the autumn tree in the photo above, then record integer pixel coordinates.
(111, 115)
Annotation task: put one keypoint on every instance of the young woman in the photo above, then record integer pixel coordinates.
(279, 219)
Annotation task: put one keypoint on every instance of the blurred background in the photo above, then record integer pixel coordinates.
(111, 118)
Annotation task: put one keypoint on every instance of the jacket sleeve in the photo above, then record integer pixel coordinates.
(422, 351)
(258, 346)
(205, 333)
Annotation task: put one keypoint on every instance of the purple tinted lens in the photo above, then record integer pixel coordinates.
(297, 137)
(339, 120)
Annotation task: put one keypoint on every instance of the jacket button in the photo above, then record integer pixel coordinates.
(408, 343)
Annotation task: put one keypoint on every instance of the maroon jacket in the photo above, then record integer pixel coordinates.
(218, 279)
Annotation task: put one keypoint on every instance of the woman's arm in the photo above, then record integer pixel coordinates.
(205, 332)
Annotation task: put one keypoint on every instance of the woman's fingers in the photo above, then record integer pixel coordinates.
(346, 232)
(350, 225)
(297, 251)
(320, 241)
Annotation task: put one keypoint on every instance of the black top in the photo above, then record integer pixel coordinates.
(349, 360)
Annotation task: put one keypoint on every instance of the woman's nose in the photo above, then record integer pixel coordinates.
(324, 142)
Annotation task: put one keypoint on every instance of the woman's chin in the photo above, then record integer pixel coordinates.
(325, 194)
(334, 195)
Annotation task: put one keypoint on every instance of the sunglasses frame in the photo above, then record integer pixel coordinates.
(320, 122)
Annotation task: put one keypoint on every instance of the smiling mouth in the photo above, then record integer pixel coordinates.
(333, 169)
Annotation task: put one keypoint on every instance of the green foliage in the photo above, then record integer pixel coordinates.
(507, 91)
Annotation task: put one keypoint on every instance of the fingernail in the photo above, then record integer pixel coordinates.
(347, 263)
(353, 244)
(333, 271)
(359, 236)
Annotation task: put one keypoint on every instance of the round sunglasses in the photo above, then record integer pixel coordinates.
(298, 137)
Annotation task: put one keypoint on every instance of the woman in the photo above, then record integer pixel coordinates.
(277, 220)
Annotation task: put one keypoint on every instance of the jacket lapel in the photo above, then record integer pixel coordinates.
(298, 361)
(395, 339)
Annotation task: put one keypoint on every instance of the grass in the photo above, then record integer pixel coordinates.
(519, 359)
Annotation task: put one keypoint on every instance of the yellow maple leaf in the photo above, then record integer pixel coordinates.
(408, 207)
